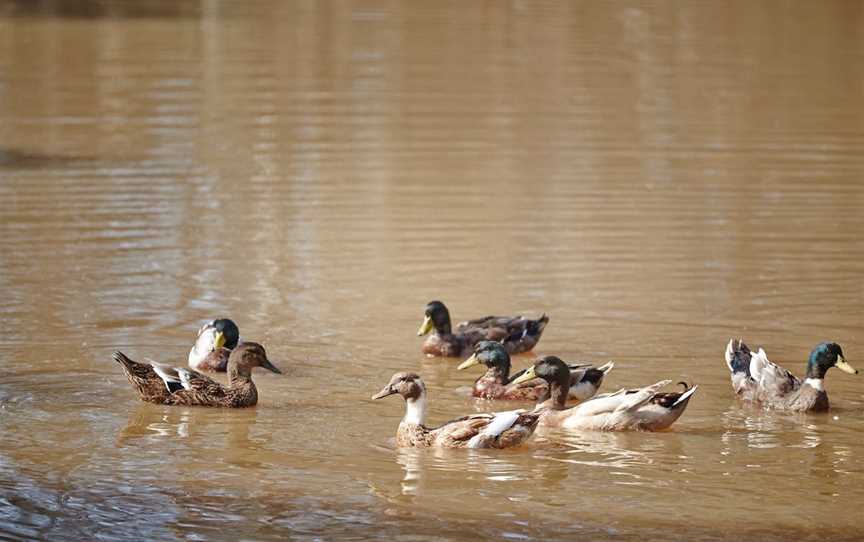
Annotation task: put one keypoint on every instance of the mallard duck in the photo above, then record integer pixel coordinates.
(163, 384)
(518, 334)
(758, 380)
(642, 409)
(495, 430)
(215, 341)
(497, 382)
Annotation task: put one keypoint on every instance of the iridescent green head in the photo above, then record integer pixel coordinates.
(825, 356)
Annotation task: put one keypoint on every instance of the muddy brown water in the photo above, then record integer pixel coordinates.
(657, 177)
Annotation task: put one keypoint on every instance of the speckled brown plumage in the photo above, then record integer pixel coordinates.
(191, 388)
(516, 333)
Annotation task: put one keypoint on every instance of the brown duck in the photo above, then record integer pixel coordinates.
(163, 384)
(497, 382)
(495, 430)
(758, 380)
(516, 333)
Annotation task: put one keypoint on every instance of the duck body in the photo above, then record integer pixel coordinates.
(163, 384)
(496, 430)
(640, 409)
(497, 383)
(213, 345)
(518, 334)
(757, 380)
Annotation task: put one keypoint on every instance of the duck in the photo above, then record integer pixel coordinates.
(518, 334)
(215, 341)
(757, 380)
(496, 383)
(639, 409)
(166, 385)
(492, 430)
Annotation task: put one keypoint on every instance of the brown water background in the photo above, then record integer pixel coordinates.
(657, 176)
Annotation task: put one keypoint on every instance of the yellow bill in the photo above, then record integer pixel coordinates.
(470, 362)
(426, 327)
(529, 374)
(844, 366)
(219, 341)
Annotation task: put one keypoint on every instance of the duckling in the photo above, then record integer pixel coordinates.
(215, 341)
(163, 384)
(758, 380)
(496, 430)
(585, 380)
(643, 409)
(518, 334)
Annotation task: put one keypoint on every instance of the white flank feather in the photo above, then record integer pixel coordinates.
(500, 423)
(166, 373)
(685, 396)
(185, 375)
(635, 400)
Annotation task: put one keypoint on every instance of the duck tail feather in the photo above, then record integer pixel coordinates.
(738, 356)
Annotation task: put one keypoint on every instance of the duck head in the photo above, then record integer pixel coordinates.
(246, 357)
(825, 356)
(551, 369)
(408, 385)
(492, 354)
(437, 317)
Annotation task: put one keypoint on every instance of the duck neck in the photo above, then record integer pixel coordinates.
(415, 410)
(816, 370)
(238, 376)
(557, 396)
(498, 373)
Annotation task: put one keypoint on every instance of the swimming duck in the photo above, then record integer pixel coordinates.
(495, 430)
(215, 341)
(163, 384)
(642, 409)
(497, 382)
(756, 379)
(517, 333)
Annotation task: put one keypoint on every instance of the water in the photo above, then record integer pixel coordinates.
(658, 178)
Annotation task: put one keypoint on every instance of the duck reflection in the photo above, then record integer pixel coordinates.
(228, 431)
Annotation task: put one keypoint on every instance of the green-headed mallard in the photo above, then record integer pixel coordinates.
(756, 379)
(495, 430)
(163, 384)
(215, 341)
(642, 409)
(518, 334)
(498, 384)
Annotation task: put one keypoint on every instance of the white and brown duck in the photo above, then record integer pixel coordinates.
(757, 380)
(494, 430)
(216, 339)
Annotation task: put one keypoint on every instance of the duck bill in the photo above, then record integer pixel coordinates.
(425, 327)
(219, 341)
(844, 366)
(529, 374)
(269, 366)
(470, 362)
(384, 393)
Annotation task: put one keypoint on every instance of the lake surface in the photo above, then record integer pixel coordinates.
(657, 177)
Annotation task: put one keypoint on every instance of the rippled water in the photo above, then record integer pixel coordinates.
(657, 177)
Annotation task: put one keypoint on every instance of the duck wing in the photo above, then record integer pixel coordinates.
(773, 381)
(496, 430)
